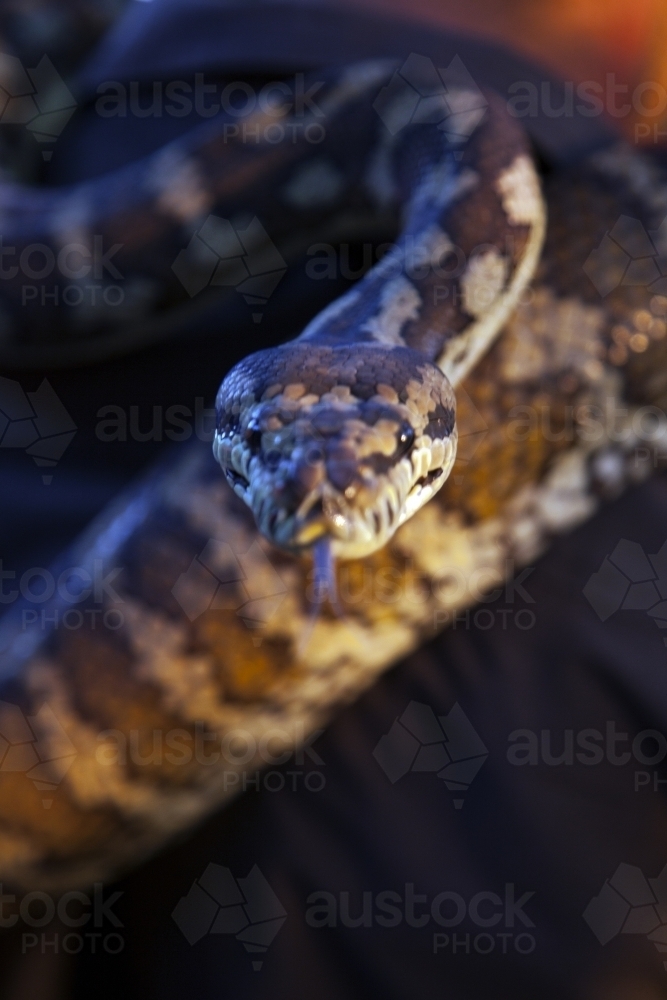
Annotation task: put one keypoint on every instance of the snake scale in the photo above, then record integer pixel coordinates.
(346, 528)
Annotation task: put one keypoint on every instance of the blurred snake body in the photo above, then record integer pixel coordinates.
(339, 450)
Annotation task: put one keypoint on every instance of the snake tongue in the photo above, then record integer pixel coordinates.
(324, 572)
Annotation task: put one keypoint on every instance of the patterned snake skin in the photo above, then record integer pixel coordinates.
(560, 390)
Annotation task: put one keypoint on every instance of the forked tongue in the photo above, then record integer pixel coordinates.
(324, 587)
(324, 574)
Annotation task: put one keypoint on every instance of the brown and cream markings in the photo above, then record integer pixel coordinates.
(338, 451)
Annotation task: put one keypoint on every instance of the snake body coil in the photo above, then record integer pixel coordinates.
(345, 433)
(336, 439)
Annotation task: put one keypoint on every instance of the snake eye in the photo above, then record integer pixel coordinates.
(229, 425)
(253, 436)
(406, 439)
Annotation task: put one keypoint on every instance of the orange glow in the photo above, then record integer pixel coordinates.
(578, 39)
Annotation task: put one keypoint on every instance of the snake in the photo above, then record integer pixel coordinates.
(426, 435)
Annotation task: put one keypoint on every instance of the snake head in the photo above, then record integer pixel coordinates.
(343, 443)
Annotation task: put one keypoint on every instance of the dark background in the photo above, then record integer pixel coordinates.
(556, 831)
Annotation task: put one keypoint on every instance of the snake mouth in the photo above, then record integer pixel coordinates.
(355, 529)
(329, 516)
(321, 514)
